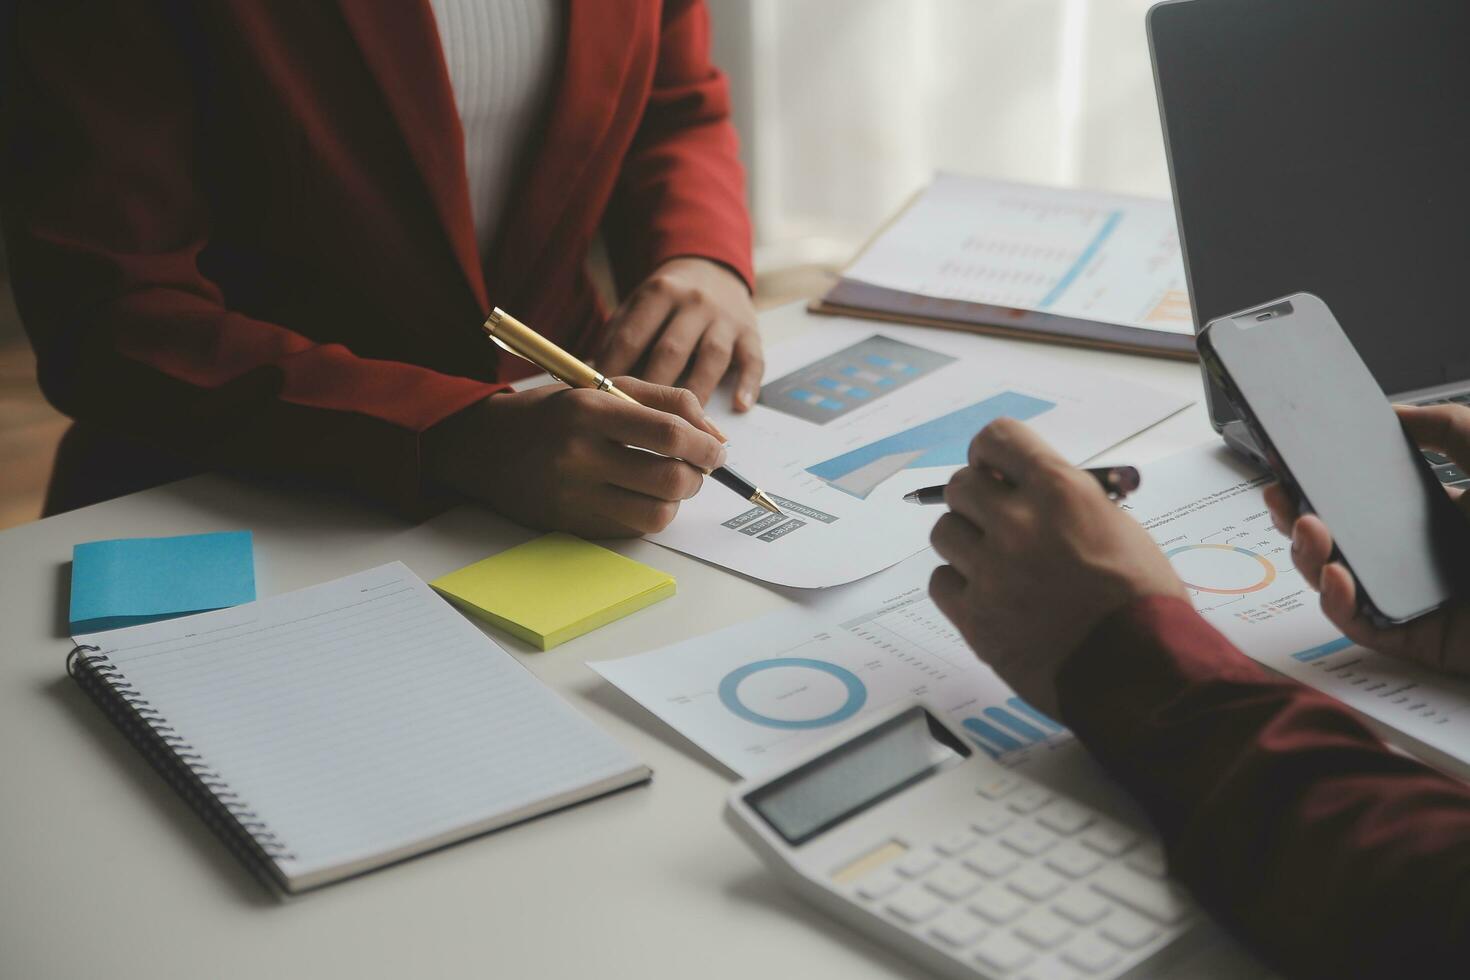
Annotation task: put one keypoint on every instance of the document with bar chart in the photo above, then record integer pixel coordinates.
(1204, 508)
(755, 693)
(1072, 253)
(853, 416)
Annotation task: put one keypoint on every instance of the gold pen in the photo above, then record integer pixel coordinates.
(517, 338)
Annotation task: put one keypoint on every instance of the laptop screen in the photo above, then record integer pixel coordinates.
(1325, 147)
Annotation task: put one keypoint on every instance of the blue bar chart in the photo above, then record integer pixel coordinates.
(1010, 728)
(1324, 650)
(850, 378)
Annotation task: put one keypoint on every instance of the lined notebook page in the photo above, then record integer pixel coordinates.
(364, 719)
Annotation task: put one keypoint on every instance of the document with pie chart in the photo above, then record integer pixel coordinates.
(754, 694)
(853, 415)
(1204, 509)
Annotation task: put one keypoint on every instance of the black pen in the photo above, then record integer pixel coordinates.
(1117, 482)
(729, 478)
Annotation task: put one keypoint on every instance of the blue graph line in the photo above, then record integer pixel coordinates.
(983, 746)
(1035, 715)
(1024, 729)
(944, 441)
(1316, 653)
(993, 735)
(1083, 260)
(857, 693)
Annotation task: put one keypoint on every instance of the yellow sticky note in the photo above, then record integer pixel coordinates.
(554, 588)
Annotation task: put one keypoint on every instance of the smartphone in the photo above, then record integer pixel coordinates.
(1332, 438)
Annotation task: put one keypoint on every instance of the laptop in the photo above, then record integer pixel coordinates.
(1325, 147)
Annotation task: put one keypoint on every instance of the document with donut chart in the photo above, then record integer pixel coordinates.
(1204, 508)
(758, 692)
(853, 415)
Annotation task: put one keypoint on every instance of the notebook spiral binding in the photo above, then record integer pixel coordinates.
(178, 761)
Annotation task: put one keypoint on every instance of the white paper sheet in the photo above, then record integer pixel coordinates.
(853, 415)
(1072, 253)
(1204, 508)
(757, 693)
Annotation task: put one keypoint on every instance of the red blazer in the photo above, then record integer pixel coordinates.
(241, 229)
(1321, 848)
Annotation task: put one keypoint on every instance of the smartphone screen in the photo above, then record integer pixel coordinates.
(1334, 441)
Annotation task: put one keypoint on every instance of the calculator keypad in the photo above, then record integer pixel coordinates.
(1073, 860)
(1034, 886)
(992, 860)
(1003, 952)
(958, 927)
(878, 885)
(914, 905)
(953, 882)
(916, 863)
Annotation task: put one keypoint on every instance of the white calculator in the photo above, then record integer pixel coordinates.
(919, 841)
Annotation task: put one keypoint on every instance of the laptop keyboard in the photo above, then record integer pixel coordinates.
(1449, 474)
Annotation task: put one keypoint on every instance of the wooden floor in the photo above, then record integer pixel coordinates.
(30, 428)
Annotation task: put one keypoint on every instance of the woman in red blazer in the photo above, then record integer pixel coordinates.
(241, 237)
(1330, 854)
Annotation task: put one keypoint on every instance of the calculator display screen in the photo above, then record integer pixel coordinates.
(856, 775)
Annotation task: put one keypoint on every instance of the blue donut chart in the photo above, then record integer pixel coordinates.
(857, 693)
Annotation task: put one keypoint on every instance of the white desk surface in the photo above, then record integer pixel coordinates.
(107, 873)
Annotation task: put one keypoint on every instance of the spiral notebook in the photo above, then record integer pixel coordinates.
(333, 730)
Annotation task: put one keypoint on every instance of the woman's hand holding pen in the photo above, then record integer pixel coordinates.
(560, 458)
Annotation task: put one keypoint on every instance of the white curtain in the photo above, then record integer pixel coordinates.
(847, 107)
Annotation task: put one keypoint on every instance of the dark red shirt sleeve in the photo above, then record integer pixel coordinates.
(1321, 848)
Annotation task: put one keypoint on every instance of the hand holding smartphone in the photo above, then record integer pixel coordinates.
(1338, 449)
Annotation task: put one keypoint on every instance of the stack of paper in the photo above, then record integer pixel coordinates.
(1042, 263)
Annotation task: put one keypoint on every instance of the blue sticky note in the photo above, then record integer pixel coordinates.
(140, 580)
